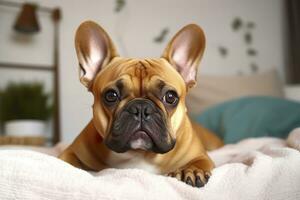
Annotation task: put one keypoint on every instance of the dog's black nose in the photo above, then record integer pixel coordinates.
(141, 108)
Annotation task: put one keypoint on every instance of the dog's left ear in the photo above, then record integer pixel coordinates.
(184, 52)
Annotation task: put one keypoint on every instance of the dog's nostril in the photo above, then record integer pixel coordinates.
(148, 111)
(134, 110)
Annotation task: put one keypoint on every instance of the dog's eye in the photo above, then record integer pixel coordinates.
(111, 96)
(171, 97)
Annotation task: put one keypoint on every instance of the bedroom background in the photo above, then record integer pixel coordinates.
(244, 39)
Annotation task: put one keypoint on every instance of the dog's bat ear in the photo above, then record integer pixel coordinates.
(184, 52)
(94, 50)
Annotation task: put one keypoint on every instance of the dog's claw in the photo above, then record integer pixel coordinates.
(198, 181)
(189, 181)
(191, 176)
(207, 176)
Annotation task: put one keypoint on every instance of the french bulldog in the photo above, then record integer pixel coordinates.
(140, 117)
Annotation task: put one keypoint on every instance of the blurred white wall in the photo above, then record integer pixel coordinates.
(133, 30)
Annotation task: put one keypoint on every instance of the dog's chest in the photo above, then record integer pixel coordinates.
(130, 160)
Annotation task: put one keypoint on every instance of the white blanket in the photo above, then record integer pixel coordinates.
(255, 169)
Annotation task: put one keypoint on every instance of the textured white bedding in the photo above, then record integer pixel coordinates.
(262, 168)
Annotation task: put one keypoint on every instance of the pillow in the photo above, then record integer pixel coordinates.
(292, 92)
(211, 90)
(251, 117)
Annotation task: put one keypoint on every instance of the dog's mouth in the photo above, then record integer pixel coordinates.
(140, 140)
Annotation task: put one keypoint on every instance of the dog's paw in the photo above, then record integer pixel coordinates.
(191, 176)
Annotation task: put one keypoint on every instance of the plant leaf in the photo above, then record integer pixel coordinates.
(248, 38)
(223, 51)
(162, 35)
(251, 52)
(236, 24)
(120, 4)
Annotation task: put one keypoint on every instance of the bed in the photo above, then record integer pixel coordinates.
(252, 168)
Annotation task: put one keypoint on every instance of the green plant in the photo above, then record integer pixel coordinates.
(24, 101)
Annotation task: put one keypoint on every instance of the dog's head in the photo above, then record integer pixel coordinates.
(138, 103)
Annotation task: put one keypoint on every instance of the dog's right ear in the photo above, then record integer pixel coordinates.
(94, 51)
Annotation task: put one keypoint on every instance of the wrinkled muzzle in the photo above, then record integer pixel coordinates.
(140, 125)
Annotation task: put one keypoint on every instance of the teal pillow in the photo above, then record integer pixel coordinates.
(251, 117)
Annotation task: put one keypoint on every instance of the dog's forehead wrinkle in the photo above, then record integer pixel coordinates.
(161, 84)
(120, 84)
(141, 75)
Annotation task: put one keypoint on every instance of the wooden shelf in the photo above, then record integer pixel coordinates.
(55, 15)
(26, 66)
(23, 140)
